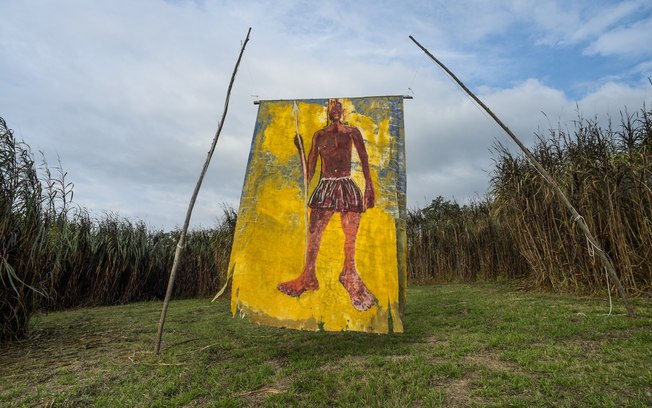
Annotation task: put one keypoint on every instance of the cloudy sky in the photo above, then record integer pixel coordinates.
(128, 94)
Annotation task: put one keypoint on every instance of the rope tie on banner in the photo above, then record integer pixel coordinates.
(414, 77)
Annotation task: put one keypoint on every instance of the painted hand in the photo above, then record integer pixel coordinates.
(298, 142)
(369, 196)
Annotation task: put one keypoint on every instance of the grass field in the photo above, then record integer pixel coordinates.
(465, 345)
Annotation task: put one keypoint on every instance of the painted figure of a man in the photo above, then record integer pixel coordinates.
(335, 192)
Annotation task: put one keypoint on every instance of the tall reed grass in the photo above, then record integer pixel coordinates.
(522, 230)
(114, 260)
(607, 174)
(54, 255)
(452, 243)
(23, 235)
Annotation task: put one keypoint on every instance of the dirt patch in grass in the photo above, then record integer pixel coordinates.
(458, 393)
(257, 397)
(352, 361)
(400, 357)
(490, 360)
(277, 365)
(436, 340)
(585, 346)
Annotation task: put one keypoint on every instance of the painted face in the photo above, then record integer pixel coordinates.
(336, 111)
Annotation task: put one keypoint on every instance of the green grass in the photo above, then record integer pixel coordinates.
(465, 345)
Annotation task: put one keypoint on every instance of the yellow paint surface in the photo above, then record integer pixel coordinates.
(270, 239)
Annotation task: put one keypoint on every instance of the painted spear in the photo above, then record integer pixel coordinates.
(547, 177)
(184, 230)
(298, 141)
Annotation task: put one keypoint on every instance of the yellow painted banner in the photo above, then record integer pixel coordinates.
(320, 236)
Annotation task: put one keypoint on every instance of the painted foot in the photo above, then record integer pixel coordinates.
(301, 284)
(361, 298)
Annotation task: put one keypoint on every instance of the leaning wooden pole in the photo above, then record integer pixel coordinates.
(606, 262)
(184, 230)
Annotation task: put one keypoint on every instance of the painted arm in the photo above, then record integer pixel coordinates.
(369, 194)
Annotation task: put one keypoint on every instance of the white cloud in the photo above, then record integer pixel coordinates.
(604, 19)
(604, 27)
(643, 70)
(612, 98)
(631, 40)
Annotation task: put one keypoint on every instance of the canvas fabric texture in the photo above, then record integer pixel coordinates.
(332, 257)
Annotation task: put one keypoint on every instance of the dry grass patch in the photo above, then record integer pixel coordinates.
(490, 360)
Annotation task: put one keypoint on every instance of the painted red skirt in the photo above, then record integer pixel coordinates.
(338, 194)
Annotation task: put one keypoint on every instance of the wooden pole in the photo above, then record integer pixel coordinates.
(606, 262)
(184, 230)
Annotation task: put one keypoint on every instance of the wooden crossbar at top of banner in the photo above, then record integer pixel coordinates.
(257, 102)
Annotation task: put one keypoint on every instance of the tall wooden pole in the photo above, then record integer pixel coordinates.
(606, 262)
(184, 230)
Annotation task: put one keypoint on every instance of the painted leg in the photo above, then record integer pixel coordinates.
(308, 279)
(361, 298)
